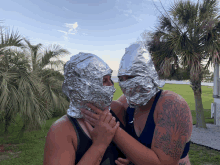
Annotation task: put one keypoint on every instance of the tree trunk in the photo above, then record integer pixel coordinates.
(176, 68)
(7, 122)
(1, 117)
(21, 132)
(200, 118)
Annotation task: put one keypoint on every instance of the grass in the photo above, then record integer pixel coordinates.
(29, 149)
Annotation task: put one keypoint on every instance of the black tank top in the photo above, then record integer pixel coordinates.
(147, 134)
(84, 142)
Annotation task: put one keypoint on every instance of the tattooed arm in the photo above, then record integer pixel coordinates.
(173, 128)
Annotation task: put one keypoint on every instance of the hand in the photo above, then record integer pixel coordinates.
(121, 161)
(103, 133)
(93, 118)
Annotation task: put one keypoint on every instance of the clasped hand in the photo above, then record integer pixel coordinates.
(104, 131)
(93, 118)
(104, 123)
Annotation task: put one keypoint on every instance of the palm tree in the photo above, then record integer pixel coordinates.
(154, 42)
(8, 40)
(52, 93)
(22, 90)
(41, 59)
(188, 35)
(57, 102)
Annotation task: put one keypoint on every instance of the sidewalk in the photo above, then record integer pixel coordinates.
(186, 82)
(209, 137)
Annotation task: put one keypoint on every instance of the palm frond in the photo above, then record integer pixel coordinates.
(53, 51)
(32, 104)
(7, 89)
(33, 48)
(208, 9)
(9, 39)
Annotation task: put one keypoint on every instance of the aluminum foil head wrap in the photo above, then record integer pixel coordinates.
(83, 83)
(140, 89)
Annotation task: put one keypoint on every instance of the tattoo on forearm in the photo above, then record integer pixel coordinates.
(174, 120)
(183, 163)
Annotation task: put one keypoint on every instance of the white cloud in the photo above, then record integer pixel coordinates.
(72, 27)
(65, 9)
(63, 32)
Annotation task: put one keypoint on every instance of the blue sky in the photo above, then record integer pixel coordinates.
(102, 27)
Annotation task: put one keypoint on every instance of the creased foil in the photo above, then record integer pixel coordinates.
(83, 83)
(140, 89)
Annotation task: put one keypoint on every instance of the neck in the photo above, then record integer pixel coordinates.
(147, 107)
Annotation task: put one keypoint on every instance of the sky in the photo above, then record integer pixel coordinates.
(101, 27)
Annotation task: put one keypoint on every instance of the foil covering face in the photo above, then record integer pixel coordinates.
(140, 89)
(83, 83)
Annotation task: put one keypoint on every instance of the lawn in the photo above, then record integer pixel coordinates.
(29, 149)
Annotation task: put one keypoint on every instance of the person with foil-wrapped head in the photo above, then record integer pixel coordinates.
(72, 140)
(158, 123)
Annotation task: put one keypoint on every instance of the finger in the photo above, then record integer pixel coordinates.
(121, 160)
(94, 108)
(116, 126)
(92, 124)
(112, 122)
(103, 116)
(118, 163)
(90, 120)
(89, 128)
(106, 110)
(108, 117)
(89, 113)
(87, 117)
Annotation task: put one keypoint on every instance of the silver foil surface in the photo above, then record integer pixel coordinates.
(83, 83)
(140, 89)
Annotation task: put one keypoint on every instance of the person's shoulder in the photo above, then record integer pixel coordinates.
(60, 123)
(174, 120)
(64, 125)
(61, 128)
(171, 100)
(58, 141)
(166, 94)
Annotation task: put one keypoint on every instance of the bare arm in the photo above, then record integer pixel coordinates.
(93, 155)
(172, 131)
(59, 150)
